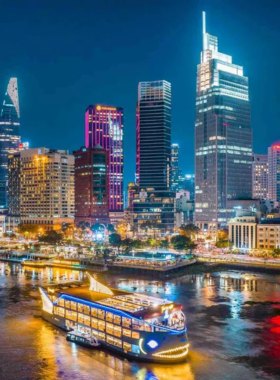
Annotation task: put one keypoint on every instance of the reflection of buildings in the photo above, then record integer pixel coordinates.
(91, 185)
(104, 127)
(9, 135)
(44, 193)
(260, 176)
(223, 136)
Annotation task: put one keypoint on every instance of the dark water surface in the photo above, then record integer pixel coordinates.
(233, 322)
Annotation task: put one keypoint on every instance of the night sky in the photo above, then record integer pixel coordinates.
(69, 54)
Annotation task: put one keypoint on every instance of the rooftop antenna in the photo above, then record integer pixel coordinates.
(204, 30)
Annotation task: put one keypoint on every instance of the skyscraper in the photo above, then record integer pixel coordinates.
(223, 136)
(153, 134)
(175, 171)
(9, 135)
(260, 176)
(91, 185)
(104, 127)
(274, 172)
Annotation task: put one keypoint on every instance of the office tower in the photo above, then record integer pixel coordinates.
(9, 135)
(92, 185)
(41, 187)
(104, 127)
(223, 136)
(131, 189)
(189, 184)
(274, 172)
(260, 176)
(176, 173)
(153, 134)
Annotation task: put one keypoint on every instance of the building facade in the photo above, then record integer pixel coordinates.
(268, 234)
(176, 173)
(223, 136)
(274, 172)
(243, 232)
(92, 185)
(9, 135)
(44, 193)
(260, 176)
(153, 135)
(104, 127)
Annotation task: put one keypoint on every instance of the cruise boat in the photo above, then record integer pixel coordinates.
(132, 324)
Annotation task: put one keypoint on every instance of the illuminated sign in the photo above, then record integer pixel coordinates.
(276, 146)
(101, 108)
(152, 344)
(167, 307)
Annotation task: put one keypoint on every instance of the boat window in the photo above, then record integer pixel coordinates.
(126, 322)
(127, 332)
(126, 346)
(71, 315)
(101, 314)
(117, 319)
(101, 336)
(148, 327)
(80, 307)
(60, 302)
(67, 304)
(135, 335)
(86, 309)
(114, 341)
(86, 320)
(135, 349)
(73, 305)
(109, 316)
(81, 318)
(94, 323)
(118, 331)
(109, 328)
(137, 325)
(94, 312)
(101, 325)
(59, 311)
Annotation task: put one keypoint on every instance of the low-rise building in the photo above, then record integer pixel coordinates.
(243, 232)
(268, 234)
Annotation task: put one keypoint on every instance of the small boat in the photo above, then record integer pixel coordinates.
(82, 339)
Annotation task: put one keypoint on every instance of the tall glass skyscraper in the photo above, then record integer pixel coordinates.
(153, 134)
(223, 136)
(176, 173)
(104, 127)
(9, 135)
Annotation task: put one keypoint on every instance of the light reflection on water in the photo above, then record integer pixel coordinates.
(226, 332)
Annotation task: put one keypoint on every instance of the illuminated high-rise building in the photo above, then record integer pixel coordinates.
(260, 176)
(104, 127)
(153, 134)
(274, 172)
(176, 173)
(9, 135)
(223, 136)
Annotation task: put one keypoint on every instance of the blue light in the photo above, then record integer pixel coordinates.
(152, 344)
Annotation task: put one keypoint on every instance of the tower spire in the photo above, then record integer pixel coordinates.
(203, 29)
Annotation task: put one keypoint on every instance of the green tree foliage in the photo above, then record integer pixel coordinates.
(164, 243)
(223, 244)
(189, 230)
(276, 253)
(28, 229)
(83, 225)
(115, 240)
(51, 237)
(111, 228)
(181, 243)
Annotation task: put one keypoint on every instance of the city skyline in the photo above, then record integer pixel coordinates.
(93, 86)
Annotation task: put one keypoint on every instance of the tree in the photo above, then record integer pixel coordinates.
(222, 235)
(127, 244)
(115, 240)
(181, 243)
(97, 227)
(223, 244)
(137, 243)
(276, 253)
(28, 229)
(164, 243)
(152, 242)
(189, 230)
(83, 225)
(111, 228)
(51, 237)
(67, 229)
(122, 229)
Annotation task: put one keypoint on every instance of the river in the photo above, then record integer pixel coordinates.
(233, 323)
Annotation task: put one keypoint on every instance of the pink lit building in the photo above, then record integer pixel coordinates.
(104, 126)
